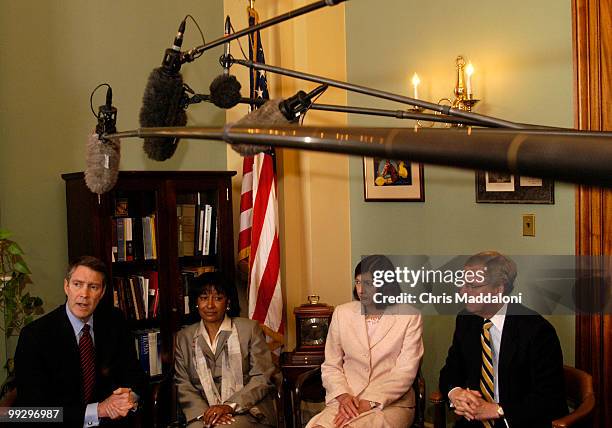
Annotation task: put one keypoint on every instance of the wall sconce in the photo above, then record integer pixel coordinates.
(464, 90)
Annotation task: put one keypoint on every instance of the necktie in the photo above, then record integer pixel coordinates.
(487, 377)
(88, 363)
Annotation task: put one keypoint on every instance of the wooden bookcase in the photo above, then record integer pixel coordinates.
(92, 231)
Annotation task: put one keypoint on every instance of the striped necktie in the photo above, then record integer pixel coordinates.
(88, 364)
(487, 377)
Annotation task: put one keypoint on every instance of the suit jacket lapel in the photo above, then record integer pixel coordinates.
(384, 325)
(223, 336)
(360, 328)
(507, 347)
(67, 342)
(204, 346)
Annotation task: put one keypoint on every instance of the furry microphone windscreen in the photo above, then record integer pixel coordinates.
(161, 106)
(102, 164)
(267, 115)
(225, 91)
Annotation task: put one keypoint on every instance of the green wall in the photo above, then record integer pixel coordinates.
(53, 54)
(522, 54)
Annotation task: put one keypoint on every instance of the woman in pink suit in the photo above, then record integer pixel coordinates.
(372, 355)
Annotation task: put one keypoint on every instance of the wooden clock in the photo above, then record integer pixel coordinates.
(312, 322)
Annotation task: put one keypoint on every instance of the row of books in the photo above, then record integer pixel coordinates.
(148, 350)
(134, 238)
(137, 295)
(197, 229)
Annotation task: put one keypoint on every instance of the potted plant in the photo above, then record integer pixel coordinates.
(17, 306)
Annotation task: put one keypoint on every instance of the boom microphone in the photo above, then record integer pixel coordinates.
(225, 89)
(268, 114)
(162, 101)
(294, 107)
(103, 154)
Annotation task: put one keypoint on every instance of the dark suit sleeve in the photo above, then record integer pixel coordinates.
(453, 373)
(546, 399)
(31, 371)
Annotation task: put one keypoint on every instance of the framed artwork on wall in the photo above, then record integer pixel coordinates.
(392, 180)
(505, 188)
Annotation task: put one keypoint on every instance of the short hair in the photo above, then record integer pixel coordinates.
(90, 262)
(215, 281)
(500, 269)
(377, 263)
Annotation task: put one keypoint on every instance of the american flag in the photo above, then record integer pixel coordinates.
(258, 238)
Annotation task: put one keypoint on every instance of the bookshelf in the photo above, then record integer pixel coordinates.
(154, 230)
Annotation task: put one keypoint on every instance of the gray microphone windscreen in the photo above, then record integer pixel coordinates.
(267, 115)
(161, 106)
(102, 163)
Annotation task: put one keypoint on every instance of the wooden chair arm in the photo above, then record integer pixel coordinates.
(439, 404)
(585, 408)
(303, 378)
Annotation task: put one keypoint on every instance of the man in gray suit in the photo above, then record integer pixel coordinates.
(223, 367)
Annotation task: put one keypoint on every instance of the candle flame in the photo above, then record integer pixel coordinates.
(469, 69)
(415, 80)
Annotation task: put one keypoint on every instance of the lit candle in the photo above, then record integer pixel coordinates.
(415, 85)
(469, 70)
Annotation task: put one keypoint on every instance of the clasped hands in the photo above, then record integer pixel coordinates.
(470, 404)
(350, 407)
(118, 404)
(220, 414)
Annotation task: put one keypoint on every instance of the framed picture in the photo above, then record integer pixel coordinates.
(505, 188)
(392, 180)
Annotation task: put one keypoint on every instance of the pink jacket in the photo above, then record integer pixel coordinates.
(381, 371)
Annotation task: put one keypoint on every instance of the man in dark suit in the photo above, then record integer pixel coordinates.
(505, 366)
(80, 358)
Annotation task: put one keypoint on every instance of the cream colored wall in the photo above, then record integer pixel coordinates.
(53, 53)
(313, 187)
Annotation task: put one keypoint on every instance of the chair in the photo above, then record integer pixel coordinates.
(580, 398)
(309, 388)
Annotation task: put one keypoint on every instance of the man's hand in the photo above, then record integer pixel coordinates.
(465, 401)
(117, 405)
(486, 410)
(348, 409)
(220, 414)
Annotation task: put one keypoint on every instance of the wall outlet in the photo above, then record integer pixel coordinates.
(528, 224)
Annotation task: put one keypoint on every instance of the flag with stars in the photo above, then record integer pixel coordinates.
(258, 239)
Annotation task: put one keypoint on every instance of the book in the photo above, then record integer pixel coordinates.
(153, 294)
(153, 238)
(129, 242)
(143, 350)
(154, 367)
(188, 229)
(121, 252)
(207, 228)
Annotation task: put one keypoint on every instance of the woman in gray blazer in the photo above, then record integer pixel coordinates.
(223, 367)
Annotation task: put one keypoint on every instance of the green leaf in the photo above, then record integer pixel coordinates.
(15, 249)
(4, 233)
(21, 267)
